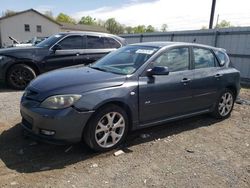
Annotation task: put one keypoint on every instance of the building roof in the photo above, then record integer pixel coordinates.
(31, 10)
(81, 27)
(65, 26)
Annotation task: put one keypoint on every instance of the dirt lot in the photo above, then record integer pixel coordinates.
(196, 152)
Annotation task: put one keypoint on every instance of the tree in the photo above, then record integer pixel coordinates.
(164, 27)
(140, 29)
(113, 26)
(87, 20)
(223, 24)
(150, 29)
(129, 29)
(8, 13)
(65, 18)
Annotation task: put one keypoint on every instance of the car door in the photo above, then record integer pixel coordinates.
(64, 53)
(99, 46)
(170, 95)
(207, 76)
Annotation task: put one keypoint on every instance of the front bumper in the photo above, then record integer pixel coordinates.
(68, 124)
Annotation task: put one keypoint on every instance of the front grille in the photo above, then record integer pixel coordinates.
(27, 124)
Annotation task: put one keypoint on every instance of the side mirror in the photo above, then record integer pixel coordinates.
(57, 47)
(158, 71)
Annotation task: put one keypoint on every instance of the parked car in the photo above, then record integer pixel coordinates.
(137, 86)
(18, 66)
(34, 41)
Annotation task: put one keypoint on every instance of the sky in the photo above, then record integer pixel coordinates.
(177, 14)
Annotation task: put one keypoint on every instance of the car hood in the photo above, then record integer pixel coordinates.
(73, 80)
(21, 52)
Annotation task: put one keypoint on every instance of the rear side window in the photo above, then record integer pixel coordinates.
(203, 58)
(175, 59)
(111, 43)
(72, 42)
(94, 42)
(221, 57)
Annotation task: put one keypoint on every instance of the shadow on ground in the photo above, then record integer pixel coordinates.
(5, 88)
(23, 155)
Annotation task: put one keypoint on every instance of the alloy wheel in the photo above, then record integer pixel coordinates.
(226, 104)
(21, 77)
(110, 129)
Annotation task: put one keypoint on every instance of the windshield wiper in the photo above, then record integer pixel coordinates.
(98, 68)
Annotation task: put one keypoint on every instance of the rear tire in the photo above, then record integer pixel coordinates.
(106, 129)
(224, 105)
(19, 76)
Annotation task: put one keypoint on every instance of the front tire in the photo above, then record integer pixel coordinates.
(19, 76)
(224, 105)
(107, 128)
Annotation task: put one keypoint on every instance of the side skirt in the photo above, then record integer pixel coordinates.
(160, 122)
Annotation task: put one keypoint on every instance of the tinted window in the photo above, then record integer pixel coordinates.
(203, 58)
(72, 42)
(95, 42)
(222, 57)
(50, 41)
(111, 43)
(175, 59)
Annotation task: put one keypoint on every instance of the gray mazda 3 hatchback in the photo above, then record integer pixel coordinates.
(137, 86)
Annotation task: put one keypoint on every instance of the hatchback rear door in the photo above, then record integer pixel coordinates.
(207, 78)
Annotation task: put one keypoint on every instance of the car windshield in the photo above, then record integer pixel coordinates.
(47, 43)
(125, 60)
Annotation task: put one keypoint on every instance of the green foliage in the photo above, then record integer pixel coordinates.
(113, 26)
(140, 29)
(223, 24)
(129, 29)
(65, 18)
(8, 13)
(87, 20)
(150, 29)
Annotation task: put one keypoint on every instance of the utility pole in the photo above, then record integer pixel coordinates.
(212, 14)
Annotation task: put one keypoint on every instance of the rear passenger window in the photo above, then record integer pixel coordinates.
(203, 58)
(94, 42)
(222, 57)
(175, 59)
(111, 43)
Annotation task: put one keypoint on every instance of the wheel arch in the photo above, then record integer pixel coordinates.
(121, 104)
(25, 62)
(233, 89)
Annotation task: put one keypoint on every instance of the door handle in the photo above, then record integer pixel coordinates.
(185, 80)
(218, 75)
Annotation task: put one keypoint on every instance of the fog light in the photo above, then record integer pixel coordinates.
(47, 132)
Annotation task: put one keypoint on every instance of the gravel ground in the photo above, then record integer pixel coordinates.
(196, 152)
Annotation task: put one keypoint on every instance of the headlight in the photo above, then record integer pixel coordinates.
(1, 58)
(60, 101)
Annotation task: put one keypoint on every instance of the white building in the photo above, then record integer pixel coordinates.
(30, 23)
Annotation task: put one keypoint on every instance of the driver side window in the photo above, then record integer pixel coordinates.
(71, 42)
(176, 59)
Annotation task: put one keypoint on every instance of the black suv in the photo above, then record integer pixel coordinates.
(18, 66)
